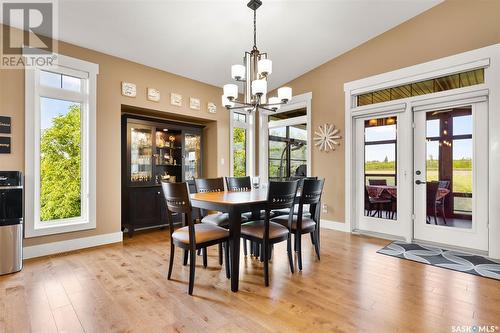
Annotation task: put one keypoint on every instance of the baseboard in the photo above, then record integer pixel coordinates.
(333, 225)
(71, 245)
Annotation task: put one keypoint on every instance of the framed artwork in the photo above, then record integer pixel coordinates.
(176, 99)
(5, 125)
(211, 107)
(153, 95)
(194, 103)
(129, 89)
(5, 145)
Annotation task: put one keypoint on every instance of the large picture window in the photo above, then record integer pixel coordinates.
(60, 147)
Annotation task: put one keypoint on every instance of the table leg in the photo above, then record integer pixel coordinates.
(235, 221)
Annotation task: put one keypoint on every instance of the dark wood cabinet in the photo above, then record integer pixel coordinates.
(155, 151)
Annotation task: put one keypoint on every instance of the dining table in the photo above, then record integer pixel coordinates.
(233, 203)
(378, 191)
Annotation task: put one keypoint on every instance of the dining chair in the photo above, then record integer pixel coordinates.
(204, 185)
(440, 202)
(375, 204)
(382, 182)
(190, 237)
(295, 211)
(431, 191)
(300, 224)
(267, 233)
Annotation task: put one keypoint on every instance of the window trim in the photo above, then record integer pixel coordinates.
(87, 97)
(250, 140)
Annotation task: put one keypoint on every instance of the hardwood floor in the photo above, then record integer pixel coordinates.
(123, 288)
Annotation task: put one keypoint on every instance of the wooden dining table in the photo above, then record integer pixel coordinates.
(234, 203)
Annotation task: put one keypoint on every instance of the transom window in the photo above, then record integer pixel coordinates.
(443, 83)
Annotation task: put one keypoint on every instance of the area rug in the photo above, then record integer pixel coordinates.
(454, 260)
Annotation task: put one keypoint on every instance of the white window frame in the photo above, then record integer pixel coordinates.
(487, 58)
(250, 141)
(297, 102)
(87, 71)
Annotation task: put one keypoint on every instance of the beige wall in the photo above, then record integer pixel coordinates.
(112, 71)
(452, 27)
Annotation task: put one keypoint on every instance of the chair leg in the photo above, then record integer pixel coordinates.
(227, 263)
(171, 260)
(442, 213)
(312, 238)
(289, 250)
(185, 260)
(220, 253)
(299, 250)
(295, 242)
(245, 247)
(205, 257)
(192, 267)
(199, 252)
(265, 252)
(256, 251)
(316, 245)
(262, 252)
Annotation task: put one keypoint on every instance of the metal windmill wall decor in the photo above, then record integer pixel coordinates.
(327, 137)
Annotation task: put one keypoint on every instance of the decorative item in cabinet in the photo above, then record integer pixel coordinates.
(141, 152)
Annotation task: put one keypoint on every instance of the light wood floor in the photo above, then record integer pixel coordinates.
(123, 288)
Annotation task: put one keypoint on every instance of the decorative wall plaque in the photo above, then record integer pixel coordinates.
(194, 103)
(129, 89)
(5, 145)
(5, 125)
(212, 108)
(153, 94)
(176, 99)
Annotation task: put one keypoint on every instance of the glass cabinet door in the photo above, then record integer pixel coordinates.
(192, 157)
(141, 153)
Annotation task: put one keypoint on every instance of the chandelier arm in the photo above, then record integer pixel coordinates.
(242, 103)
(265, 108)
(237, 107)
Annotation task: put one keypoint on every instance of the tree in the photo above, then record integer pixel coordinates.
(60, 174)
(239, 152)
(386, 159)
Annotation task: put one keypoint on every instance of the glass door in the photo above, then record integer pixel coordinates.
(192, 156)
(451, 176)
(378, 174)
(140, 154)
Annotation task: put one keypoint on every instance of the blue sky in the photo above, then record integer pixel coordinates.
(50, 108)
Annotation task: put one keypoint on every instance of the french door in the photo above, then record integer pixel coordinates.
(381, 181)
(451, 175)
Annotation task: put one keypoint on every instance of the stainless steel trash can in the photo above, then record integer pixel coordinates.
(11, 222)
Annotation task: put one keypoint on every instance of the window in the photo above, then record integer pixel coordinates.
(380, 151)
(60, 147)
(443, 83)
(287, 156)
(241, 147)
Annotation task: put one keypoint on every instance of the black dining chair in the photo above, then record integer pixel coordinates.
(267, 233)
(192, 236)
(204, 185)
(295, 211)
(300, 225)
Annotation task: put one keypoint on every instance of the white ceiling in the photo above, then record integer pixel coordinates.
(201, 39)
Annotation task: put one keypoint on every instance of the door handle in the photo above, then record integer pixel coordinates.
(419, 182)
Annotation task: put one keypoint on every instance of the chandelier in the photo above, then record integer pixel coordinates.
(253, 74)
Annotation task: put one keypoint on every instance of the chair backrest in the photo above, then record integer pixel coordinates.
(235, 184)
(281, 194)
(432, 190)
(177, 201)
(312, 190)
(209, 185)
(444, 184)
(377, 181)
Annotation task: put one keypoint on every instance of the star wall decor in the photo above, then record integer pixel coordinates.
(327, 137)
